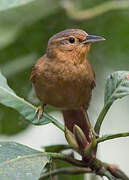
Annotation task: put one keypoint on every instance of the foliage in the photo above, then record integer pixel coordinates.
(27, 38)
(20, 162)
(25, 28)
(117, 86)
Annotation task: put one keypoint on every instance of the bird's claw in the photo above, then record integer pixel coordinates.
(39, 112)
(93, 133)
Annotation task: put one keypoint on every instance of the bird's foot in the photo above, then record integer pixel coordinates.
(93, 133)
(39, 111)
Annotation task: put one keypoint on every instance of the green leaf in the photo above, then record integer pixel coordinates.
(20, 162)
(9, 98)
(117, 86)
(14, 15)
(56, 148)
(18, 123)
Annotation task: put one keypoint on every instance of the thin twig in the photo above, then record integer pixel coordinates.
(112, 136)
(66, 171)
(95, 11)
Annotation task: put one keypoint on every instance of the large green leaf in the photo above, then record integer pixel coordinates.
(19, 162)
(11, 122)
(14, 15)
(9, 98)
(10, 69)
(117, 86)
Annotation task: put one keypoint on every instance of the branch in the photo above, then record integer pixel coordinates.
(66, 171)
(95, 11)
(95, 166)
(108, 175)
(66, 158)
(112, 136)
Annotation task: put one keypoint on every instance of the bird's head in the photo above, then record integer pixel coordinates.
(71, 42)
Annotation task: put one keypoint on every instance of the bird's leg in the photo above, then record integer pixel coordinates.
(39, 111)
(93, 133)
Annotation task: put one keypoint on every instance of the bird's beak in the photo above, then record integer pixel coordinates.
(92, 38)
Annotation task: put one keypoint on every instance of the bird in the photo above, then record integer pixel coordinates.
(63, 77)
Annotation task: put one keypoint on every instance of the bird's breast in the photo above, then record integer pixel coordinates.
(64, 85)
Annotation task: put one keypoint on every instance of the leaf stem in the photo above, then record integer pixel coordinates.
(55, 122)
(112, 136)
(101, 117)
(65, 171)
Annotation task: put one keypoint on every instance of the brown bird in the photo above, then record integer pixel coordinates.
(64, 77)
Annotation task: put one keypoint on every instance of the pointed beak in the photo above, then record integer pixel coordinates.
(92, 38)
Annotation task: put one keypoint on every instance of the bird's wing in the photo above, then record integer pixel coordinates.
(32, 77)
(93, 83)
(35, 69)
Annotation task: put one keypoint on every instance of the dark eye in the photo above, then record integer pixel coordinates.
(71, 40)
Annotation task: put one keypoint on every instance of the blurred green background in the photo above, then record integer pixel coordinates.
(26, 26)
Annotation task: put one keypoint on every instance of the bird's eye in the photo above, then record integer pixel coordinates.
(71, 40)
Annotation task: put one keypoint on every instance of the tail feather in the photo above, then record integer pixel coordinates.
(78, 117)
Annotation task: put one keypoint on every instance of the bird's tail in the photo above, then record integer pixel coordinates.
(78, 117)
